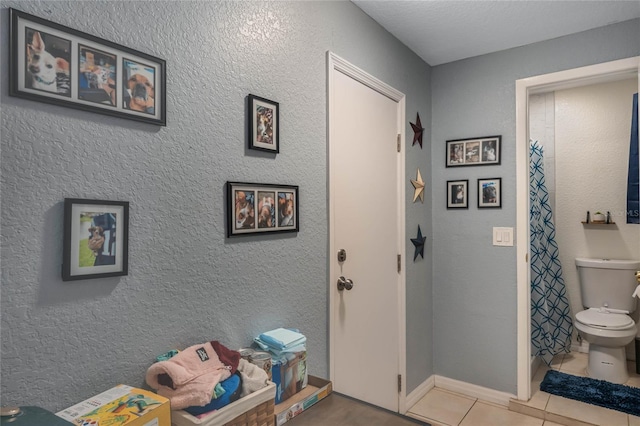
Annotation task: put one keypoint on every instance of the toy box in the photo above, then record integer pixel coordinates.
(290, 375)
(119, 406)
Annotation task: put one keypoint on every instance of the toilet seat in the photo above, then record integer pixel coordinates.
(594, 317)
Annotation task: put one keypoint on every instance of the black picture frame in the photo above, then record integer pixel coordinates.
(483, 151)
(490, 193)
(263, 124)
(458, 194)
(259, 208)
(52, 63)
(96, 239)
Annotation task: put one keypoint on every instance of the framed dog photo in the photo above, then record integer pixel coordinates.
(59, 65)
(96, 239)
(490, 193)
(254, 208)
(474, 152)
(457, 194)
(263, 123)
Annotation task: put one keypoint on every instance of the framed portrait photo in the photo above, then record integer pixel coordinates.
(96, 239)
(457, 194)
(263, 124)
(490, 193)
(254, 208)
(474, 152)
(59, 65)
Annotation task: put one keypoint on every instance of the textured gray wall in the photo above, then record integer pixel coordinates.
(65, 341)
(474, 284)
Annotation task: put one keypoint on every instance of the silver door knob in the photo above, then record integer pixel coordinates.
(344, 284)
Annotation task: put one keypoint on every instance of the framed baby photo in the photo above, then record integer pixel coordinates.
(254, 208)
(52, 63)
(474, 152)
(457, 194)
(96, 239)
(490, 193)
(263, 124)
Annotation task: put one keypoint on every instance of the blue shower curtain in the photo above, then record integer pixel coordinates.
(551, 324)
(633, 181)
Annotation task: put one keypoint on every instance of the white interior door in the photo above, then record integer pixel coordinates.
(367, 215)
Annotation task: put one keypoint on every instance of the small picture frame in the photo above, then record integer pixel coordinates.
(458, 194)
(255, 208)
(263, 124)
(490, 193)
(96, 239)
(59, 65)
(483, 151)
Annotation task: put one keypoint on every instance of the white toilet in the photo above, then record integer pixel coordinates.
(607, 286)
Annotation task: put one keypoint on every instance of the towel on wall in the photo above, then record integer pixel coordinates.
(189, 378)
(633, 179)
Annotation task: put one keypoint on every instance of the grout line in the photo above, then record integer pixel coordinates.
(468, 411)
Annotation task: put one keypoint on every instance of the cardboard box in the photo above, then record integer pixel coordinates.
(290, 376)
(317, 390)
(119, 406)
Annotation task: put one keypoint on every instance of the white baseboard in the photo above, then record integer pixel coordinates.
(418, 393)
(474, 391)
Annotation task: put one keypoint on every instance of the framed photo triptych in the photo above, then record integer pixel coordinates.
(59, 65)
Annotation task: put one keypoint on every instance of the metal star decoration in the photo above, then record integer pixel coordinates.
(417, 131)
(418, 184)
(419, 243)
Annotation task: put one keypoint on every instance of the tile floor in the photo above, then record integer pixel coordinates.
(443, 408)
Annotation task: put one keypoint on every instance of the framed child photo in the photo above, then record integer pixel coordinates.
(490, 193)
(263, 123)
(457, 194)
(96, 239)
(258, 208)
(62, 66)
(482, 151)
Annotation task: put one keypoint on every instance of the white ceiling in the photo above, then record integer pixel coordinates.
(444, 31)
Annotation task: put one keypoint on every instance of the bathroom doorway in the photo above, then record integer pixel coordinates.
(611, 71)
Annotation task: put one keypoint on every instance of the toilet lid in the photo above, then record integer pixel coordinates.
(595, 318)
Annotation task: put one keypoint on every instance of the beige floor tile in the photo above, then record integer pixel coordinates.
(586, 412)
(483, 414)
(634, 420)
(566, 421)
(556, 362)
(548, 423)
(575, 362)
(527, 410)
(444, 407)
(425, 419)
(538, 398)
(634, 378)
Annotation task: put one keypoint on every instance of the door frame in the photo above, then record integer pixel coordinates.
(336, 63)
(593, 74)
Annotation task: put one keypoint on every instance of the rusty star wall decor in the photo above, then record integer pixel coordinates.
(418, 242)
(418, 184)
(417, 131)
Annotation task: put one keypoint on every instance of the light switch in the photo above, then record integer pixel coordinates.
(502, 236)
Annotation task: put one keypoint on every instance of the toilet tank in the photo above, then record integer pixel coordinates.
(608, 282)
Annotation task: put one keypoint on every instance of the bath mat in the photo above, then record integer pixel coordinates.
(597, 392)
